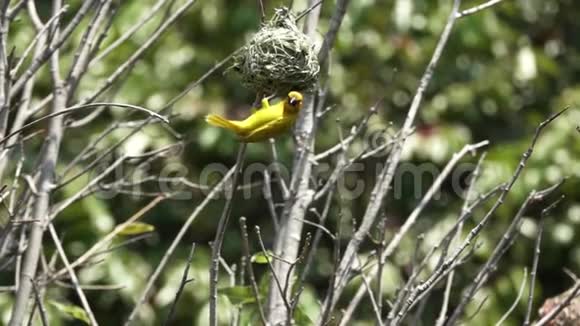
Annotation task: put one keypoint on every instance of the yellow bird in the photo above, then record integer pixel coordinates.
(267, 122)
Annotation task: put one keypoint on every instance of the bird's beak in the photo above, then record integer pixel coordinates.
(292, 101)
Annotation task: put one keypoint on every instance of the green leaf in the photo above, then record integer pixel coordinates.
(136, 228)
(264, 286)
(71, 310)
(238, 295)
(250, 315)
(262, 257)
(301, 318)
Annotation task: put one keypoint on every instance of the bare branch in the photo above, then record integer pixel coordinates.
(537, 247)
(39, 35)
(80, 107)
(219, 238)
(447, 294)
(335, 22)
(56, 44)
(145, 294)
(384, 180)
(367, 286)
(411, 220)
(254, 284)
(130, 62)
(40, 304)
(478, 8)
(516, 301)
(101, 243)
(140, 22)
(72, 275)
(272, 271)
(48, 162)
(182, 284)
(84, 49)
(267, 191)
(290, 234)
(534, 271)
(12, 12)
(261, 10)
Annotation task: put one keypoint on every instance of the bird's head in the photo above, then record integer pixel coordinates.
(293, 103)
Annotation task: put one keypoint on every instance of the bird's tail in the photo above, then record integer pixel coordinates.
(216, 120)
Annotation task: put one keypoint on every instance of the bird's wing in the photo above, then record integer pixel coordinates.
(264, 105)
(268, 130)
(262, 117)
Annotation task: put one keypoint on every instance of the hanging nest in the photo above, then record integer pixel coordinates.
(279, 58)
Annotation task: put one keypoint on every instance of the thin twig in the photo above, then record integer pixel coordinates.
(12, 12)
(329, 38)
(92, 287)
(79, 107)
(477, 8)
(367, 285)
(471, 189)
(382, 229)
(182, 284)
(267, 191)
(39, 35)
(271, 266)
(40, 304)
(384, 180)
(336, 259)
(72, 275)
(58, 41)
(412, 219)
(534, 271)
(537, 247)
(132, 60)
(48, 161)
(318, 235)
(490, 265)
(516, 301)
(300, 194)
(308, 10)
(84, 51)
(276, 169)
(475, 231)
(219, 238)
(261, 11)
(140, 22)
(146, 291)
(101, 243)
(254, 284)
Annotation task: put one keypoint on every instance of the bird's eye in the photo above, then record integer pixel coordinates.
(292, 101)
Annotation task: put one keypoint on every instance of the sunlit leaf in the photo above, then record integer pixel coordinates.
(301, 318)
(238, 294)
(71, 310)
(264, 286)
(262, 257)
(136, 228)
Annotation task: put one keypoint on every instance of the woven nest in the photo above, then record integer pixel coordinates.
(279, 58)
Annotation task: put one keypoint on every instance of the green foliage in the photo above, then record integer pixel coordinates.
(239, 295)
(262, 257)
(136, 228)
(505, 70)
(71, 311)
